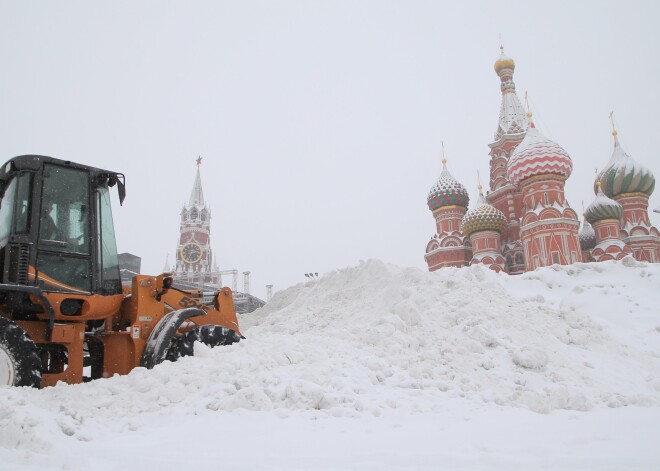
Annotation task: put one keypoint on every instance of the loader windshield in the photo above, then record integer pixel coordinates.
(108, 262)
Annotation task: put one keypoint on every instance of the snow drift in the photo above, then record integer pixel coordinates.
(376, 337)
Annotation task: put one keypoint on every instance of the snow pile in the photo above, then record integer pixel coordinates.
(378, 336)
(375, 338)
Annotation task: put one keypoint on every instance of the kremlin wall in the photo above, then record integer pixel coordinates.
(525, 222)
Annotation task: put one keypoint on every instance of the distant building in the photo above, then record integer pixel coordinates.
(129, 266)
(525, 221)
(195, 266)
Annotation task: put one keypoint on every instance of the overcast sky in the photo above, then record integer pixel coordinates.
(319, 122)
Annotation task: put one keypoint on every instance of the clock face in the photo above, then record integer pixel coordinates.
(191, 252)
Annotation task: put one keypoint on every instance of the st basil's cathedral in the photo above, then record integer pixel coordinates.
(525, 222)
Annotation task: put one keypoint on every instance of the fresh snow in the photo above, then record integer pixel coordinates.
(381, 367)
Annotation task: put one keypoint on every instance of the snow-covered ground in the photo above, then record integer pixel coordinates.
(381, 367)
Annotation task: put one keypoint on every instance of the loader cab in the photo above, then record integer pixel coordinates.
(56, 229)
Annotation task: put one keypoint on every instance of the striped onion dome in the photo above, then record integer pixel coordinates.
(537, 155)
(624, 175)
(587, 236)
(483, 217)
(603, 208)
(447, 191)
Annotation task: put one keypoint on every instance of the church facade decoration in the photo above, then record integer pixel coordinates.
(525, 221)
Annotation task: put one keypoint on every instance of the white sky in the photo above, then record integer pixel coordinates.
(319, 122)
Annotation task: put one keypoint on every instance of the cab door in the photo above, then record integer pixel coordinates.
(64, 243)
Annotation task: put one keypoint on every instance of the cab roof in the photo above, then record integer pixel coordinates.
(35, 162)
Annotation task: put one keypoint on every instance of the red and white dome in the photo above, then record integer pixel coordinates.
(537, 155)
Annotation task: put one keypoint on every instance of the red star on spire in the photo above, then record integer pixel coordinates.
(199, 160)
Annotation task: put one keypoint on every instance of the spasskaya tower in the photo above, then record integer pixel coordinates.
(194, 257)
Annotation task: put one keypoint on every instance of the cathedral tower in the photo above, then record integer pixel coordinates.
(605, 214)
(483, 225)
(549, 227)
(503, 195)
(448, 200)
(630, 184)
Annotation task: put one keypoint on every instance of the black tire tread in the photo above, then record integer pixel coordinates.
(23, 352)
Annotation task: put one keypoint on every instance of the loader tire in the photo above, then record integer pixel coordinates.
(211, 335)
(20, 363)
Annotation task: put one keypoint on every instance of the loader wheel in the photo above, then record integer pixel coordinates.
(211, 335)
(20, 364)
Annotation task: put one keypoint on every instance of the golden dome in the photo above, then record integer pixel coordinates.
(504, 62)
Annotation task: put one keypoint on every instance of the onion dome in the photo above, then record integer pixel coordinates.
(624, 175)
(587, 236)
(504, 62)
(603, 208)
(537, 155)
(447, 191)
(483, 217)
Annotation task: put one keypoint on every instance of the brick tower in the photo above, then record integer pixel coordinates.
(549, 226)
(448, 200)
(605, 214)
(194, 257)
(503, 195)
(484, 225)
(630, 184)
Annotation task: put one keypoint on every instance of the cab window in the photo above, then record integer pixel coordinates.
(64, 221)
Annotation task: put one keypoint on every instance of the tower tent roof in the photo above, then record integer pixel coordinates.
(197, 195)
(513, 119)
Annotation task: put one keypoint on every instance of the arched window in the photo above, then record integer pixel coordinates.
(193, 214)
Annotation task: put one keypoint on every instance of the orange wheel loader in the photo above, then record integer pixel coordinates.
(64, 315)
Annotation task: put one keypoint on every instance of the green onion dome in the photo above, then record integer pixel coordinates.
(624, 175)
(603, 208)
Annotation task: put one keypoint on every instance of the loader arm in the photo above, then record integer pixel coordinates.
(221, 313)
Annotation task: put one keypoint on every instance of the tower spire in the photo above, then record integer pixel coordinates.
(512, 114)
(197, 195)
(614, 131)
(444, 160)
(529, 112)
